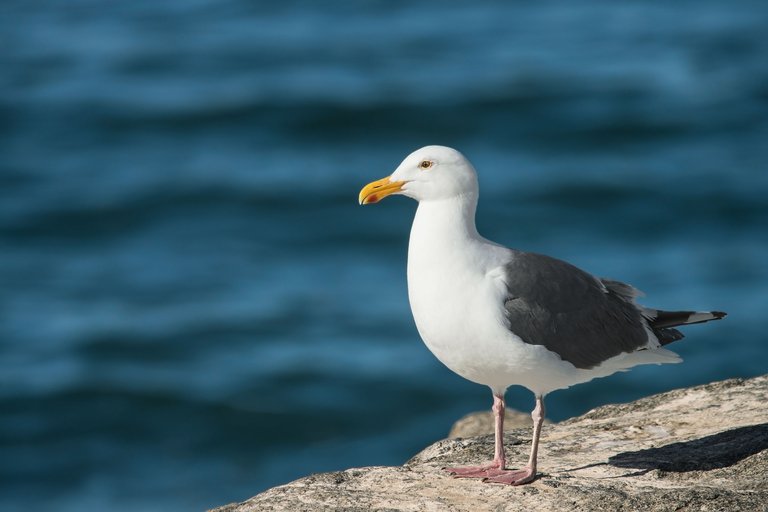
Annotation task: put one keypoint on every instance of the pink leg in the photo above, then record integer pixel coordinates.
(528, 473)
(497, 465)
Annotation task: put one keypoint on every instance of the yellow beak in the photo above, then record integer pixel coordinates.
(378, 190)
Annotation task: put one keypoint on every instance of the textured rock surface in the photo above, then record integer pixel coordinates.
(481, 423)
(702, 448)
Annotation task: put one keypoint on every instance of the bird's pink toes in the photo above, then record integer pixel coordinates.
(485, 471)
(512, 476)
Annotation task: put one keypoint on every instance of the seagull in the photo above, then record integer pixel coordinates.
(502, 317)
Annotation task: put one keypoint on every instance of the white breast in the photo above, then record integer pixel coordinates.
(457, 294)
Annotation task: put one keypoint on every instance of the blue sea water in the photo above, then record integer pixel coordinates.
(193, 307)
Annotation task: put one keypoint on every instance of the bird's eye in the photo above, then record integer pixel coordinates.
(425, 164)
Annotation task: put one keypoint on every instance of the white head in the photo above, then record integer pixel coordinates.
(428, 174)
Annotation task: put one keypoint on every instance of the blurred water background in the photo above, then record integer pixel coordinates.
(193, 307)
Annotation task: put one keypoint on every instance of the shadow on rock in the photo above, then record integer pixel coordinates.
(707, 453)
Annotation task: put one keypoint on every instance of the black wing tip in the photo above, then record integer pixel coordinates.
(668, 335)
(718, 314)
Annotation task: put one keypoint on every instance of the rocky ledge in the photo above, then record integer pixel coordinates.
(700, 448)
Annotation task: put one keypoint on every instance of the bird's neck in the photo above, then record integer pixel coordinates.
(443, 224)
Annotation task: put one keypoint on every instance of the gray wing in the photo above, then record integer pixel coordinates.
(572, 313)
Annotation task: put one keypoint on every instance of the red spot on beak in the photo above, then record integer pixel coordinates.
(373, 198)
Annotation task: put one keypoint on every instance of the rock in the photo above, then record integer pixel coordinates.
(481, 423)
(701, 448)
